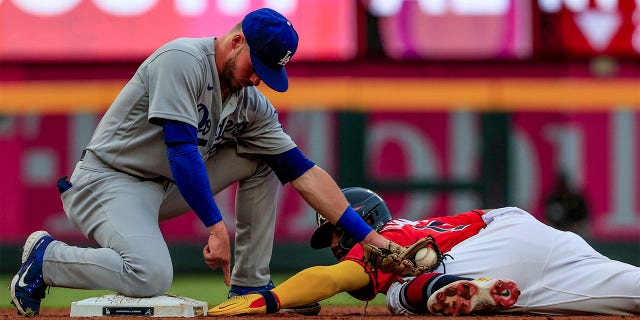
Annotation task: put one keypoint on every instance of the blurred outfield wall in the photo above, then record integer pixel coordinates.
(441, 106)
(415, 130)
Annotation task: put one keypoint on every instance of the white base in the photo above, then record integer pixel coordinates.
(118, 305)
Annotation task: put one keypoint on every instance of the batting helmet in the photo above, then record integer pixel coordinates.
(367, 204)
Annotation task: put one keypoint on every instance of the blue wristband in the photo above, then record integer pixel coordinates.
(353, 225)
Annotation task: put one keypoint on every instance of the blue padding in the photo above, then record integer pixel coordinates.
(289, 165)
(351, 222)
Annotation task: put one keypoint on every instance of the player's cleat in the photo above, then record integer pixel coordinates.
(466, 296)
(311, 309)
(247, 304)
(28, 287)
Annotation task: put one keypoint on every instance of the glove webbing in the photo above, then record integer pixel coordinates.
(441, 257)
(270, 301)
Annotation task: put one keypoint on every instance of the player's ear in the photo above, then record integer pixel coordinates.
(237, 41)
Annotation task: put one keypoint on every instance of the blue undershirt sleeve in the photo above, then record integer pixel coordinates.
(289, 165)
(189, 172)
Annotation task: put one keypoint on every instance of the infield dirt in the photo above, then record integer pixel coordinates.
(330, 312)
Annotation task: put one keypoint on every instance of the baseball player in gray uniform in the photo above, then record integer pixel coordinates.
(187, 125)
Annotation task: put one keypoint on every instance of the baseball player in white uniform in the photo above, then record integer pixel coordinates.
(187, 125)
(519, 265)
(558, 272)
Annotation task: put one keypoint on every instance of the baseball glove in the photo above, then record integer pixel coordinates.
(401, 260)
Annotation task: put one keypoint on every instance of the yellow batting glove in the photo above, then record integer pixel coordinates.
(254, 303)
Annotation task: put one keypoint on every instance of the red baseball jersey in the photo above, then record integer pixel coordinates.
(447, 232)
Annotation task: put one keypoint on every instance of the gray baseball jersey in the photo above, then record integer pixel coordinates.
(123, 186)
(180, 82)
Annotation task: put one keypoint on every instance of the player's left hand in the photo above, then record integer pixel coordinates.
(252, 303)
(217, 252)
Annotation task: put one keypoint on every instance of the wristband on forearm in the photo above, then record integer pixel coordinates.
(351, 222)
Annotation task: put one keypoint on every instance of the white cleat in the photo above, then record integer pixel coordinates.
(466, 296)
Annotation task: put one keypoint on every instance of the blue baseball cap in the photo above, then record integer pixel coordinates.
(272, 42)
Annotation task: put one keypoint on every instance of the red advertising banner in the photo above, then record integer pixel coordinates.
(453, 29)
(129, 30)
(599, 153)
(589, 28)
(597, 150)
(507, 29)
(81, 30)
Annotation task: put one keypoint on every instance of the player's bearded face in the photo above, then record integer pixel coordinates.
(238, 70)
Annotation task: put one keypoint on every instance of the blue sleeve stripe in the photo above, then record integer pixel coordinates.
(289, 165)
(179, 132)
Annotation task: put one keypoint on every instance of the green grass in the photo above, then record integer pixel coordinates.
(209, 288)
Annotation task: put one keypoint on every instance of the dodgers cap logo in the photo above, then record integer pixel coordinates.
(272, 42)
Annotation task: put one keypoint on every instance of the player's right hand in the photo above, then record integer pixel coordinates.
(217, 252)
(252, 303)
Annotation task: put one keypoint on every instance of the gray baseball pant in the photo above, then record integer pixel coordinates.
(122, 213)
